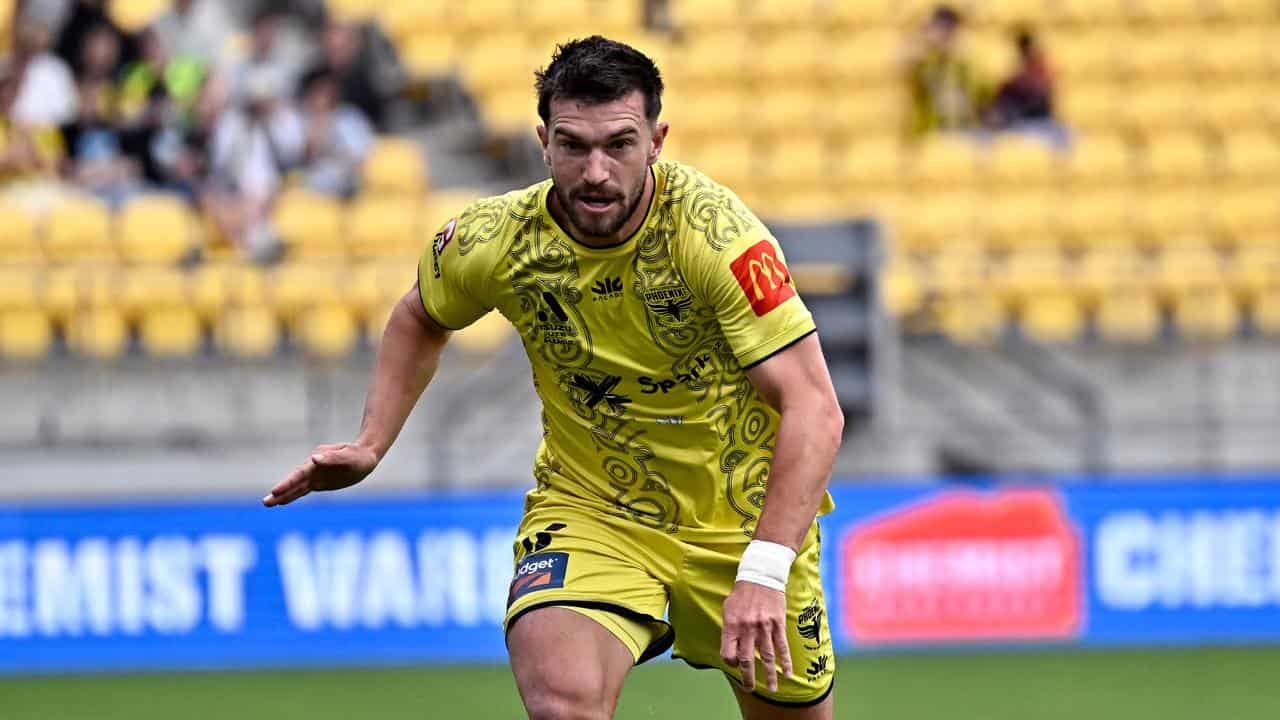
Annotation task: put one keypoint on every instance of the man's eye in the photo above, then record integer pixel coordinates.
(621, 144)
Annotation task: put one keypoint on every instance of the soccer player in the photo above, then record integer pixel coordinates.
(689, 420)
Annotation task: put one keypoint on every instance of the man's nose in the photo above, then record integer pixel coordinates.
(597, 171)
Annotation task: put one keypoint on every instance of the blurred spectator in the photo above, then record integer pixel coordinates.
(364, 61)
(29, 156)
(1027, 96)
(945, 92)
(86, 18)
(156, 77)
(266, 50)
(174, 154)
(46, 88)
(338, 137)
(98, 58)
(251, 151)
(195, 30)
(95, 153)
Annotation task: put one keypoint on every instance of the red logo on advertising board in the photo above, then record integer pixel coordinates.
(964, 566)
(763, 277)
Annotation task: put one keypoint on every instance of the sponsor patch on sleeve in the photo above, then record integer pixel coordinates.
(763, 277)
(438, 244)
(540, 571)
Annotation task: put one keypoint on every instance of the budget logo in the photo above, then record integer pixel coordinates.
(763, 277)
(541, 571)
(964, 566)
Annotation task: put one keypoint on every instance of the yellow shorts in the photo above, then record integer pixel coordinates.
(628, 577)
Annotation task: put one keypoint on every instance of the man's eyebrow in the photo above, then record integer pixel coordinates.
(625, 132)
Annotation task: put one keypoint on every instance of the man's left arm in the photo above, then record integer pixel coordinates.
(796, 383)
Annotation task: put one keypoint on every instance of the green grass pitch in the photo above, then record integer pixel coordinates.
(1159, 684)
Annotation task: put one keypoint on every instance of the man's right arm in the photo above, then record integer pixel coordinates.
(407, 360)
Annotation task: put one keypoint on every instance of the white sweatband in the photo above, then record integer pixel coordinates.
(766, 563)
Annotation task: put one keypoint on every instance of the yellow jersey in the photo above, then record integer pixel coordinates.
(638, 350)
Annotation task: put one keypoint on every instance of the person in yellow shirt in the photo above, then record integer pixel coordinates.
(689, 420)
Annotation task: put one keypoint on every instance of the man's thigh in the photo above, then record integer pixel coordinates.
(566, 665)
(697, 602)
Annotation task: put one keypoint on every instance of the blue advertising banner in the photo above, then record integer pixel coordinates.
(425, 578)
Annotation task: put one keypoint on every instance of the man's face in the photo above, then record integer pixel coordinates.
(599, 155)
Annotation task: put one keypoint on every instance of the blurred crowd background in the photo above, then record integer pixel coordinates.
(1040, 235)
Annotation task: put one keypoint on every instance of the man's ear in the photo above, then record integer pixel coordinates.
(659, 139)
(543, 140)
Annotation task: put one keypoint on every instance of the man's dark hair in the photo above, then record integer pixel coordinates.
(946, 16)
(598, 70)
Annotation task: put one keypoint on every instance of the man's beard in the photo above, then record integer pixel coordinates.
(599, 225)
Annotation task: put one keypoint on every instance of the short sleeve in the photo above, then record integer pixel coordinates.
(750, 289)
(452, 284)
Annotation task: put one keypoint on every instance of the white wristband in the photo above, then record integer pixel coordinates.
(766, 563)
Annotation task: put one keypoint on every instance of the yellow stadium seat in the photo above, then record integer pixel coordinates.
(1245, 10)
(867, 56)
(511, 112)
(1028, 273)
(20, 287)
(1235, 53)
(1253, 270)
(1242, 212)
(1009, 12)
(429, 55)
(146, 289)
(696, 116)
(98, 333)
(871, 163)
(547, 16)
(364, 291)
(856, 15)
(944, 161)
(614, 18)
(295, 287)
(1087, 214)
(155, 229)
(499, 60)
(171, 332)
(60, 292)
(1157, 55)
(403, 20)
(396, 166)
(135, 15)
(1087, 56)
(484, 15)
(327, 330)
(208, 289)
(1266, 314)
(443, 205)
(1128, 316)
(1178, 158)
(789, 110)
(247, 332)
(1172, 12)
(710, 59)
(806, 206)
(1105, 270)
(1099, 160)
(25, 334)
(971, 318)
(901, 290)
(788, 58)
(698, 15)
(1206, 314)
(799, 164)
(1188, 266)
(853, 115)
(19, 243)
(942, 219)
(79, 230)
(1094, 12)
(484, 335)
(1167, 215)
(779, 14)
(1052, 318)
(378, 226)
(1091, 108)
(1158, 108)
(1019, 162)
(729, 161)
(310, 224)
(1252, 157)
(1235, 108)
(1019, 218)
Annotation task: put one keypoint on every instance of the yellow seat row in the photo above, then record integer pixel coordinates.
(152, 229)
(246, 311)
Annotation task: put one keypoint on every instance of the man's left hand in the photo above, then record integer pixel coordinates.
(755, 618)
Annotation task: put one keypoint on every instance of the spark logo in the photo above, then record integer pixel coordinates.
(964, 566)
(763, 277)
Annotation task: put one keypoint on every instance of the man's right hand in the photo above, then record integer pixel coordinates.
(330, 467)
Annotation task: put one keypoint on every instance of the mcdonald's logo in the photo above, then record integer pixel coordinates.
(763, 277)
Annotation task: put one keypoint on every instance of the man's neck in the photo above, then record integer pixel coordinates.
(628, 228)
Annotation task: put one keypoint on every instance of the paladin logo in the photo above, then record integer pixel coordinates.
(607, 289)
(591, 391)
(820, 666)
